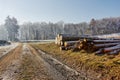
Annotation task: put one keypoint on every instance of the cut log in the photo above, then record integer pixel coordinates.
(69, 47)
(70, 43)
(62, 48)
(88, 43)
(56, 40)
(100, 51)
(61, 43)
(77, 46)
(106, 41)
(104, 45)
(69, 38)
(109, 49)
(65, 37)
(91, 39)
(115, 52)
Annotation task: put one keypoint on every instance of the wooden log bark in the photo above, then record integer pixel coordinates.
(92, 39)
(62, 48)
(69, 47)
(73, 38)
(58, 40)
(70, 43)
(106, 41)
(64, 35)
(104, 45)
(69, 37)
(109, 49)
(100, 51)
(78, 46)
(115, 52)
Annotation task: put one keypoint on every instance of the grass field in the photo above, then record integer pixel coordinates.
(102, 66)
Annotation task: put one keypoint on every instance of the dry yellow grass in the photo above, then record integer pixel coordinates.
(107, 66)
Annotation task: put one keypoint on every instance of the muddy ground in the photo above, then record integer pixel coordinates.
(24, 62)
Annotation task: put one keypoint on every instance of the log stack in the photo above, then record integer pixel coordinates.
(88, 43)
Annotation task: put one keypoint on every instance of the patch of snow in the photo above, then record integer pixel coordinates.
(8, 48)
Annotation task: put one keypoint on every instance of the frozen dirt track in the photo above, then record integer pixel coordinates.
(26, 63)
(22, 63)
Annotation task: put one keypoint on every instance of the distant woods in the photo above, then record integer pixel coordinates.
(12, 31)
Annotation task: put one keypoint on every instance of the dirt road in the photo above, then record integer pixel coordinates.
(26, 63)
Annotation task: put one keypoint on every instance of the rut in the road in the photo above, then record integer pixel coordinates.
(23, 63)
(32, 67)
(8, 58)
(9, 64)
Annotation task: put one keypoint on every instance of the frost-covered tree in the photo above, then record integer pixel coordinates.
(12, 27)
(43, 30)
(3, 33)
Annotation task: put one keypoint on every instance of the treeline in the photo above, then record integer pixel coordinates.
(105, 26)
(42, 30)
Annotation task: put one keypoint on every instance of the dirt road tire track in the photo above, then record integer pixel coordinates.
(65, 71)
(9, 63)
(8, 58)
(27, 63)
(32, 67)
(50, 69)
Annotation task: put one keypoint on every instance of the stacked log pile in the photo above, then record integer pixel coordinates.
(88, 43)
